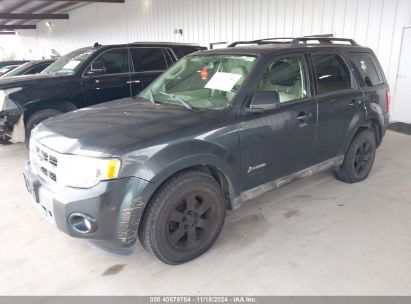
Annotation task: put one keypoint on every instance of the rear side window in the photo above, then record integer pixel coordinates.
(183, 51)
(368, 68)
(332, 73)
(148, 59)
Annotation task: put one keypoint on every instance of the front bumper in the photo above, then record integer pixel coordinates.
(5, 127)
(7, 120)
(116, 206)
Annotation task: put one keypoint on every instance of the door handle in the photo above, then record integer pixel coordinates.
(302, 117)
(133, 81)
(355, 102)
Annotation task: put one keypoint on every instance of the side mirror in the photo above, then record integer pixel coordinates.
(97, 68)
(264, 101)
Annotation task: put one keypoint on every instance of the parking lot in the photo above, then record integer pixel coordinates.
(315, 236)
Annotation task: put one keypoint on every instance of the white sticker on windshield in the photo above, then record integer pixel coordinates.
(223, 81)
(71, 65)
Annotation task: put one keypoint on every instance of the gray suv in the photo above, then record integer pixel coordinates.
(217, 129)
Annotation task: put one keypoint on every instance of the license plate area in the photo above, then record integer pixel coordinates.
(33, 188)
(42, 197)
(45, 204)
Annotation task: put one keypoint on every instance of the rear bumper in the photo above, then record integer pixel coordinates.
(386, 118)
(115, 206)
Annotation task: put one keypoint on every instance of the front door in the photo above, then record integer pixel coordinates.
(112, 81)
(278, 142)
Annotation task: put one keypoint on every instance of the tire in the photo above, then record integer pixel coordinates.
(184, 218)
(359, 158)
(37, 118)
(4, 140)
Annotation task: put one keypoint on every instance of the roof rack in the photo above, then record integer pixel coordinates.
(296, 41)
(323, 40)
(264, 41)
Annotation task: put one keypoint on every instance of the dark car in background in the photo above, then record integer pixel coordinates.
(82, 78)
(218, 128)
(12, 62)
(6, 69)
(28, 68)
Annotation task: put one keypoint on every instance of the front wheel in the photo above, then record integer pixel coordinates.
(184, 218)
(359, 158)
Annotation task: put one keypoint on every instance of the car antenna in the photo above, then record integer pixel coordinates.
(96, 44)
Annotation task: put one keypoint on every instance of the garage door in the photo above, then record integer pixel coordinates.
(402, 106)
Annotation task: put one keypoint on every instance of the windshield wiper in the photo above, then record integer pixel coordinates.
(185, 104)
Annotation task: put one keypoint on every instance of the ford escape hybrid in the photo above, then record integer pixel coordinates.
(218, 128)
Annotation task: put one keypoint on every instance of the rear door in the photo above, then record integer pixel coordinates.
(278, 142)
(340, 103)
(112, 83)
(148, 63)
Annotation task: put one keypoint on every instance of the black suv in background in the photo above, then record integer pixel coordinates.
(82, 78)
(218, 128)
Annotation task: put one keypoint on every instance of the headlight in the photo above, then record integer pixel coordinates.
(86, 172)
(71, 170)
(6, 104)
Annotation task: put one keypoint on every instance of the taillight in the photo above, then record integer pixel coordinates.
(388, 100)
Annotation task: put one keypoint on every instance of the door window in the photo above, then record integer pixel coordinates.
(148, 59)
(113, 62)
(332, 73)
(285, 76)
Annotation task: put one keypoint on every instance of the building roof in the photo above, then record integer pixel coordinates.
(24, 14)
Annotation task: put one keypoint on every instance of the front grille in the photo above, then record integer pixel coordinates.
(44, 171)
(53, 176)
(45, 161)
(53, 161)
(45, 156)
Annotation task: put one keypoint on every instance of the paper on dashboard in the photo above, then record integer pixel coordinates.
(223, 81)
(71, 65)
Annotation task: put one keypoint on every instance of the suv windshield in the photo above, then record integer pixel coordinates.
(69, 64)
(201, 81)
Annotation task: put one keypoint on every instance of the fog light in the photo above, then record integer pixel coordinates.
(82, 223)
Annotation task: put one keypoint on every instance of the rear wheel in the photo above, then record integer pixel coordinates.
(184, 218)
(37, 118)
(359, 158)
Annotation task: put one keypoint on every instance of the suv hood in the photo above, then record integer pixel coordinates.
(26, 80)
(113, 128)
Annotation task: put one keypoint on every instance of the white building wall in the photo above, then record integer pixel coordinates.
(374, 23)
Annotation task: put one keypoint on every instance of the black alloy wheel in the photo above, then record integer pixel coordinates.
(190, 222)
(184, 218)
(359, 158)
